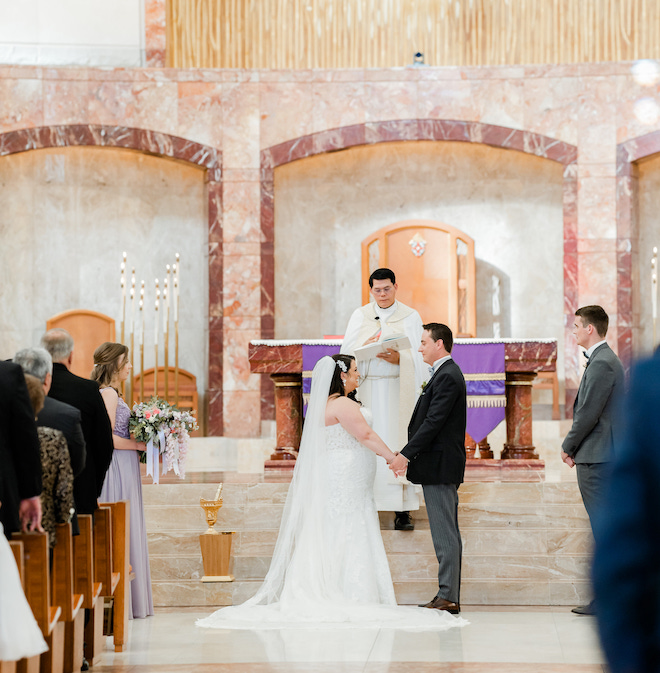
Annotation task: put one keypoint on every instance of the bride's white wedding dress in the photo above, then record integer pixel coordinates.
(329, 566)
(19, 634)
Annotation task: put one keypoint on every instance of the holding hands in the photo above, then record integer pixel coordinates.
(399, 465)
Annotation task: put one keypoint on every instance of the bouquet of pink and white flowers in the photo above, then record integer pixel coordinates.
(166, 431)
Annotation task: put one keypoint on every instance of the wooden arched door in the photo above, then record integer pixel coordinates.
(434, 267)
(89, 330)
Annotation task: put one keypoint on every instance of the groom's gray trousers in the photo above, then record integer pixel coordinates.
(442, 509)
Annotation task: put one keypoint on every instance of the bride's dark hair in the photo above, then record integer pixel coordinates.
(337, 385)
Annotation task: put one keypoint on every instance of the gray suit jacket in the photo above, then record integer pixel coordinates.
(591, 437)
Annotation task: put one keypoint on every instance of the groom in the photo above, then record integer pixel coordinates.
(435, 458)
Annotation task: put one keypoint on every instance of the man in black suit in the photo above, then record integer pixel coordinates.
(85, 395)
(588, 444)
(20, 457)
(56, 414)
(435, 457)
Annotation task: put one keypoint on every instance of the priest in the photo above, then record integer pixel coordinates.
(391, 383)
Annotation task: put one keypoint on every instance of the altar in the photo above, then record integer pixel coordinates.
(523, 358)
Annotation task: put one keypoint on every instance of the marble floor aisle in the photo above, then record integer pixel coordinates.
(498, 640)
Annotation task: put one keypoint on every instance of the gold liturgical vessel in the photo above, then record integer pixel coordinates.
(216, 546)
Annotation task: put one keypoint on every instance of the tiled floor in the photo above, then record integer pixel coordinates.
(497, 640)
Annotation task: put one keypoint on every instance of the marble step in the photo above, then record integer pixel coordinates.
(523, 543)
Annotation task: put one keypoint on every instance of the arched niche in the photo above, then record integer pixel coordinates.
(438, 262)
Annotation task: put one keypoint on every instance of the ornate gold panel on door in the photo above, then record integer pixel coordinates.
(434, 267)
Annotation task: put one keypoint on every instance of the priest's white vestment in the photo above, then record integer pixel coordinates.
(390, 391)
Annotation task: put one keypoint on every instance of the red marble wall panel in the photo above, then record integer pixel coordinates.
(155, 33)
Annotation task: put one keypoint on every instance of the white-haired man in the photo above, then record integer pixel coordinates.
(56, 414)
(83, 394)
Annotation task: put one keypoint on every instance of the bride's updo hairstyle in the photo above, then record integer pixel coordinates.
(337, 385)
(109, 358)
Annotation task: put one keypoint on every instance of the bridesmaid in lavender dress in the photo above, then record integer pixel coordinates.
(122, 481)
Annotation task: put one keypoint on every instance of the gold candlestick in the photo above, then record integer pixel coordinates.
(156, 342)
(141, 343)
(132, 339)
(166, 336)
(123, 298)
(176, 329)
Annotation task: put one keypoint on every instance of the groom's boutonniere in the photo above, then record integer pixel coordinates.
(421, 390)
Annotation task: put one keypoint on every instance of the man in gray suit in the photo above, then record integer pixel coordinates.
(588, 445)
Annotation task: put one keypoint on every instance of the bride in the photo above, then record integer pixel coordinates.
(329, 565)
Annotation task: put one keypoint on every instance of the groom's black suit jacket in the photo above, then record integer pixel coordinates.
(436, 433)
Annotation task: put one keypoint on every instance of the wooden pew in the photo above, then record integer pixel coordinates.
(121, 564)
(84, 583)
(37, 591)
(103, 572)
(65, 596)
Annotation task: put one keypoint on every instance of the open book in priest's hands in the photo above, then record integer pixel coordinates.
(395, 342)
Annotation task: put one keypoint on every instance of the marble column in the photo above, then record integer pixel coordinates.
(288, 415)
(519, 416)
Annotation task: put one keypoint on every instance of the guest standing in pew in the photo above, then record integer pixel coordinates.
(123, 481)
(57, 475)
(56, 414)
(20, 462)
(588, 444)
(85, 396)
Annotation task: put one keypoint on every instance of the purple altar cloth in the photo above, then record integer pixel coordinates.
(311, 354)
(483, 368)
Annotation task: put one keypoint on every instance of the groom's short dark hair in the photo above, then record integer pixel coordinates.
(382, 274)
(439, 331)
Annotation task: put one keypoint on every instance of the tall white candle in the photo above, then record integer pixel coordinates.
(176, 300)
(156, 325)
(141, 332)
(177, 285)
(132, 310)
(166, 308)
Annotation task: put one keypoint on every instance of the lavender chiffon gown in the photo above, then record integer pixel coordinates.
(122, 482)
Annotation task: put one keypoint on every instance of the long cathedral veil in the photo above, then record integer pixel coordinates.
(301, 528)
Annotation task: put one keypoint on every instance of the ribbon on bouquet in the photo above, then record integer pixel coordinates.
(152, 460)
(161, 439)
(153, 456)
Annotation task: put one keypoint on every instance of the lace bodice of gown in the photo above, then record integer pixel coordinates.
(351, 471)
(122, 416)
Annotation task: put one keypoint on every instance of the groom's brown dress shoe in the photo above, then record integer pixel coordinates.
(443, 604)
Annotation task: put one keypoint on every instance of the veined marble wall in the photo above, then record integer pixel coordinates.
(66, 216)
(260, 119)
(73, 32)
(329, 203)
